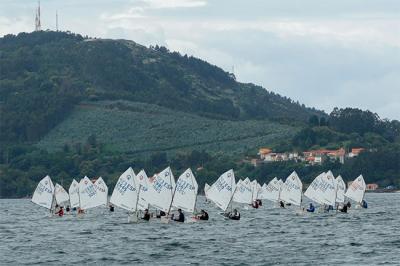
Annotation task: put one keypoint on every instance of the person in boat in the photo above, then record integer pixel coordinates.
(348, 205)
(146, 215)
(181, 217)
(60, 212)
(255, 204)
(259, 202)
(282, 204)
(203, 215)
(344, 208)
(162, 213)
(328, 208)
(111, 208)
(235, 215)
(81, 211)
(68, 209)
(311, 208)
(364, 204)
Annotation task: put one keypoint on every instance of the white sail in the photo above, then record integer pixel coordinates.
(255, 187)
(292, 190)
(60, 194)
(88, 194)
(206, 188)
(323, 189)
(142, 181)
(186, 192)
(44, 192)
(102, 191)
(243, 192)
(74, 194)
(272, 190)
(340, 189)
(356, 190)
(162, 188)
(125, 194)
(222, 191)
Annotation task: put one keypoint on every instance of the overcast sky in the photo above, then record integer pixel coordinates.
(321, 53)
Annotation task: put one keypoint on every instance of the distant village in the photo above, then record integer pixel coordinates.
(312, 157)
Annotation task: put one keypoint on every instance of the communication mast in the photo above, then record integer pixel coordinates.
(38, 25)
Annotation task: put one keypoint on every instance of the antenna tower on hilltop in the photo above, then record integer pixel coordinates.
(38, 25)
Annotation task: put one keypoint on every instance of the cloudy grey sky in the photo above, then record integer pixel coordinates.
(319, 52)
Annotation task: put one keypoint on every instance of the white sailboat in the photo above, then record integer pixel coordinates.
(185, 195)
(88, 194)
(243, 192)
(340, 189)
(125, 193)
(60, 194)
(74, 194)
(222, 191)
(271, 191)
(102, 191)
(323, 189)
(44, 193)
(161, 189)
(292, 190)
(255, 189)
(206, 188)
(356, 190)
(142, 183)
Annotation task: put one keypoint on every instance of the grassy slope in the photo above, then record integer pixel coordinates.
(144, 128)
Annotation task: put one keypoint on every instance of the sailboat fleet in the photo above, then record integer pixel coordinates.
(136, 193)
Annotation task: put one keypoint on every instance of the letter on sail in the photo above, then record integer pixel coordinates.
(161, 189)
(43, 195)
(221, 192)
(74, 194)
(356, 190)
(292, 190)
(185, 192)
(125, 194)
(60, 194)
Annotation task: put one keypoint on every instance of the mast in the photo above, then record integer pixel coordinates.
(173, 194)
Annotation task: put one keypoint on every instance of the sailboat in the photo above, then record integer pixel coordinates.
(356, 190)
(60, 194)
(125, 192)
(340, 190)
(292, 190)
(271, 191)
(74, 194)
(185, 195)
(322, 190)
(162, 188)
(44, 193)
(243, 192)
(88, 194)
(102, 191)
(142, 183)
(223, 190)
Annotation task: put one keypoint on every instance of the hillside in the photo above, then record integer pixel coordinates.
(141, 128)
(45, 75)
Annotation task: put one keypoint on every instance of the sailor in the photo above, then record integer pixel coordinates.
(203, 215)
(235, 215)
(111, 208)
(81, 211)
(146, 215)
(161, 214)
(344, 208)
(61, 212)
(255, 204)
(311, 208)
(68, 209)
(364, 204)
(281, 204)
(348, 204)
(259, 202)
(181, 217)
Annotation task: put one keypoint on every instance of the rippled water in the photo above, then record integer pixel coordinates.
(263, 237)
